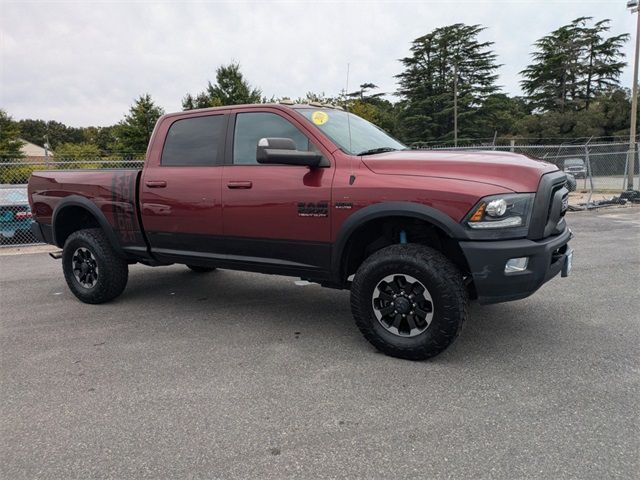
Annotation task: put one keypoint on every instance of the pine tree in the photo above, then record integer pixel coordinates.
(447, 59)
(572, 65)
(134, 131)
(602, 61)
(230, 89)
(363, 95)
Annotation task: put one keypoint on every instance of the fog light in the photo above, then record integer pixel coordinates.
(514, 265)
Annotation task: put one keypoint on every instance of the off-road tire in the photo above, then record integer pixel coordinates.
(113, 271)
(197, 269)
(437, 273)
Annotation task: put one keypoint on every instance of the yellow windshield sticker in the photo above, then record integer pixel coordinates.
(319, 118)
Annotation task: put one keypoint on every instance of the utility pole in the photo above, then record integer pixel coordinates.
(633, 4)
(455, 104)
(46, 150)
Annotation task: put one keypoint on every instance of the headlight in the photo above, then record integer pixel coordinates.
(497, 208)
(502, 212)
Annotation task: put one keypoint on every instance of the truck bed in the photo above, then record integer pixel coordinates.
(111, 194)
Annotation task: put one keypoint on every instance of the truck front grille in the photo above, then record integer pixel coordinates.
(550, 206)
(557, 209)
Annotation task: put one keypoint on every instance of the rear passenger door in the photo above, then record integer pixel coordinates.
(180, 187)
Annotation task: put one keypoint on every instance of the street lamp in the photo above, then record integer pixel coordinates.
(633, 6)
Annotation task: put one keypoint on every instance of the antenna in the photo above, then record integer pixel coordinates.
(346, 106)
(352, 177)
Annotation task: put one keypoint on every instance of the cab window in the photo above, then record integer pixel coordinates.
(251, 127)
(194, 142)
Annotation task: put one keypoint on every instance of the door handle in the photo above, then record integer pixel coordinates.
(239, 185)
(155, 183)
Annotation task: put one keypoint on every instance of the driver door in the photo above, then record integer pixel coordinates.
(274, 214)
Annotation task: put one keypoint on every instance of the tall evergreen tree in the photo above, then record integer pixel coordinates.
(447, 59)
(134, 131)
(230, 89)
(572, 65)
(362, 93)
(602, 61)
(551, 81)
(10, 143)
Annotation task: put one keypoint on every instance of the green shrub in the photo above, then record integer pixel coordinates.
(18, 173)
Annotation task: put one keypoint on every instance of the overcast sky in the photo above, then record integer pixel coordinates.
(84, 62)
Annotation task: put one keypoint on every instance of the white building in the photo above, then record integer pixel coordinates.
(34, 153)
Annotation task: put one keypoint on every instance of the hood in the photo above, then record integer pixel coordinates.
(508, 170)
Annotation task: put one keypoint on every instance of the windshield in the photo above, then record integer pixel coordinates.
(365, 139)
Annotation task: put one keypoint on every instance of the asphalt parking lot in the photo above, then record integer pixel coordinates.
(238, 375)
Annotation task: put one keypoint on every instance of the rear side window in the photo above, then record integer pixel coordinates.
(194, 142)
(251, 127)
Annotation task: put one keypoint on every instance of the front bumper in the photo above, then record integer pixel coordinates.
(487, 261)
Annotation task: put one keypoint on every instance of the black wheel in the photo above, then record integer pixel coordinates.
(409, 301)
(92, 269)
(198, 269)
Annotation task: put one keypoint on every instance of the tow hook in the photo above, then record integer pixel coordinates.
(56, 255)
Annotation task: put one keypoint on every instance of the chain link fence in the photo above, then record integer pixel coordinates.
(598, 167)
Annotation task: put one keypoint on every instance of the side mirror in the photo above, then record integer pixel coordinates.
(282, 151)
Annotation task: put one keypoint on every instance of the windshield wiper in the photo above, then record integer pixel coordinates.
(373, 151)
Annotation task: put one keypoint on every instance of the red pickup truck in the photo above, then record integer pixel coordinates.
(317, 193)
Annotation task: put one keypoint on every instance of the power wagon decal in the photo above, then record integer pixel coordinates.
(123, 197)
(320, 209)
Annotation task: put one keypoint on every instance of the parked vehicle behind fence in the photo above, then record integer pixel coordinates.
(15, 215)
(576, 167)
(313, 192)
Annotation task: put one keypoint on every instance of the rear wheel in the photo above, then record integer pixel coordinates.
(197, 269)
(409, 301)
(92, 269)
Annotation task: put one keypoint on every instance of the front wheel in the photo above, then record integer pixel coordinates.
(92, 269)
(409, 301)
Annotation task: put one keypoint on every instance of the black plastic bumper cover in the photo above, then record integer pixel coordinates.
(488, 259)
(42, 232)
